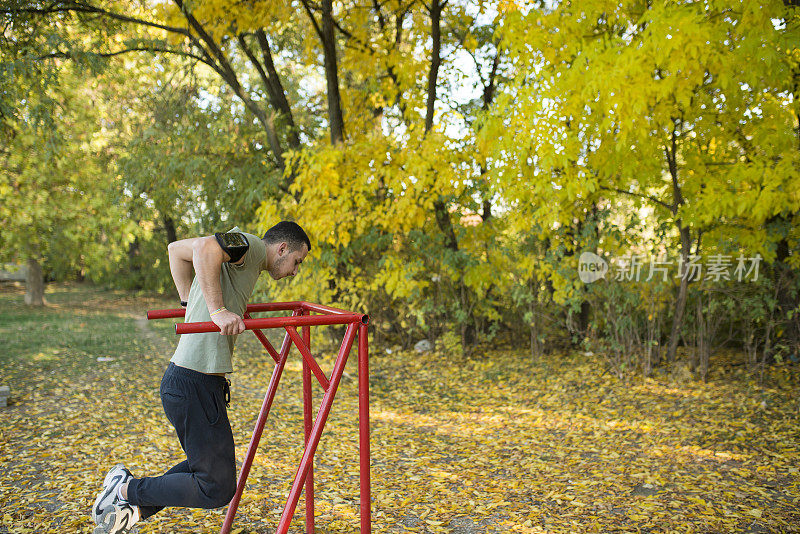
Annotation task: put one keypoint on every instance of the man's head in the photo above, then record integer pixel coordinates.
(287, 247)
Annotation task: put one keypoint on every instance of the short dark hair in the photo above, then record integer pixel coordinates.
(290, 232)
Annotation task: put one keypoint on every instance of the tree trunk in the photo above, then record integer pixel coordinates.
(436, 37)
(332, 74)
(579, 330)
(583, 320)
(788, 296)
(442, 214)
(445, 225)
(169, 228)
(34, 284)
(671, 153)
(680, 302)
(533, 303)
(134, 265)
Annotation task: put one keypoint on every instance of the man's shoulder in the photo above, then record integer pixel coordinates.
(252, 240)
(256, 254)
(255, 242)
(258, 250)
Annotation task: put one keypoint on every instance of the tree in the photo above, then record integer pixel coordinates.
(661, 104)
(54, 190)
(207, 32)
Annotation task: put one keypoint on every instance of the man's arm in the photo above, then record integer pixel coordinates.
(205, 254)
(180, 265)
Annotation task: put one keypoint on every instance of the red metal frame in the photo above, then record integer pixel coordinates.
(302, 317)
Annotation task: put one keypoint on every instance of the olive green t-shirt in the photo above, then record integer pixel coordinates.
(211, 352)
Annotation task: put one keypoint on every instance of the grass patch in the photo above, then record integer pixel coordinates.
(44, 346)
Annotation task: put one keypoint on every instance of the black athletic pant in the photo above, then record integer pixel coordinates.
(195, 404)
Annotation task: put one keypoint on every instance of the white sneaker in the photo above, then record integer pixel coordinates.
(114, 479)
(119, 517)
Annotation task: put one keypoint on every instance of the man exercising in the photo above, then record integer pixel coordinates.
(194, 390)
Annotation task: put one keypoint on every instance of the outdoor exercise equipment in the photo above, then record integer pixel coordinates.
(302, 316)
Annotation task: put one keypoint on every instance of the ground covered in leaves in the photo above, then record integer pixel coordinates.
(491, 443)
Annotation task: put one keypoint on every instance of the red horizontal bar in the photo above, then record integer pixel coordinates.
(275, 306)
(308, 306)
(251, 308)
(319, 308)
(273, 322)
(166, 314)
(263, 307)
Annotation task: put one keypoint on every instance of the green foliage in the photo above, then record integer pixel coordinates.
(54, 189)
(619, 128)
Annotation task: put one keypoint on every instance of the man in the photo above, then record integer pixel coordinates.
(194, 390)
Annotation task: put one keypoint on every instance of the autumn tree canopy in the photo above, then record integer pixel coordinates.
(453, 159)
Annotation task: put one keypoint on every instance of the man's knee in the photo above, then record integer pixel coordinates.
(220, 490)
(226, 494)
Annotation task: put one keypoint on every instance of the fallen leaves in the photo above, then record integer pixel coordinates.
(468, 446)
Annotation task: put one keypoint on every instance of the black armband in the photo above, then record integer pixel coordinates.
(234, 244)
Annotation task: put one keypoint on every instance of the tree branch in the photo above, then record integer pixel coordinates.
(433, 73)
(224, 69)
(381, 21)
(311, 16)
(282, 104)
(350, 36)
(87, 8)
(672, 162)
(67, 55)
(254, 60)
(639, 195)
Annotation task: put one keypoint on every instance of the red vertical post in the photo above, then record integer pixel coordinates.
(363, 429)
(316, 430)
(308, 420)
